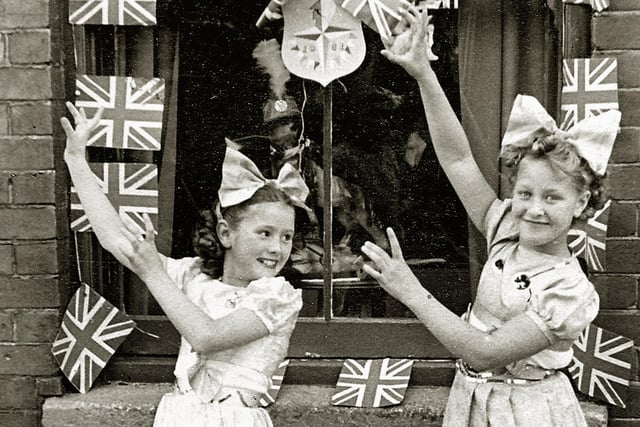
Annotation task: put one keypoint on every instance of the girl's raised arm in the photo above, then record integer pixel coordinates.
(449, 140)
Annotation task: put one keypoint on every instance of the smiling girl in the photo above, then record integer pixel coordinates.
(533, 299)
(234, 314)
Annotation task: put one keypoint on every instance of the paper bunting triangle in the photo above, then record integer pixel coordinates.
(133, 108)
(372, 383)
(112, 12)
(276, 382)
(589, 88)
(598, 5)
(132, 189)
(91, 331)
(588, 240)
(601, 365)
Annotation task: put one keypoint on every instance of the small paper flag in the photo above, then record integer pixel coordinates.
(112, 12)
(380, 15)
(276, 382)
(589, 88)
(589, 240)
(372, 383)
(598, 5)
(91, 331)
(601, 365)
(133, 107)
(437, 4)
(132, 188)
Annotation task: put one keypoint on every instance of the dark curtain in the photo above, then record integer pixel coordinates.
(506, 47)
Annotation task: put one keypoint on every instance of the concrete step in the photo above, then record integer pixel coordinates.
(134, 404)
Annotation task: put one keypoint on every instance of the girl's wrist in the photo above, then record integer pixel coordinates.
(417, 298)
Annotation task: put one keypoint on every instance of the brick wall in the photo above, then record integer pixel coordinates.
(33, 236)
(616, 33)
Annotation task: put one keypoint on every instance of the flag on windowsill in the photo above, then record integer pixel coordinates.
(601, 365)
(276, 382)
(133, 108)
(91, 331)
(589, 88)
(588, 240)
(112, 12)
(372, 383)
(597, 5)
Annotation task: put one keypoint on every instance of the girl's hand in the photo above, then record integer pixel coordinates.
(77, 138)
(410, 49)
(141, 251)
(392, 272)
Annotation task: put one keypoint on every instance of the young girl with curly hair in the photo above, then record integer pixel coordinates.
(533, 299)
(233, 311)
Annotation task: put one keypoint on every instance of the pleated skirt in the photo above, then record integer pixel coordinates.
(546, 403)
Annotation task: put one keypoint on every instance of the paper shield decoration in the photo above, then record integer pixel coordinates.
(91, 331)
(321, 41)
(132, 189)
(133, 107)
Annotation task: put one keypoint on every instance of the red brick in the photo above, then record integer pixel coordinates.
(623, 255)
(3, 44)
(49, 386)
(21, 153)
(36, 326)
(29, 47)
(627, 146)
(629, 100)
(6, 259)
(615, 31)
(20, 418)
(24, 83)
(40, 258)
(31, 119)
(628, 65)
(616, 5)
(24, 359)
(33, 188)
(623, 220)
(624, 182)
(4, 115)
(18, 393)
(28, 223)
(32, 292)
(24, 14)
(4, 187)
(6, 326)
(616, 291)
(623, 322)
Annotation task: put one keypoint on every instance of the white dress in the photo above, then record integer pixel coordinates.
(222, 388)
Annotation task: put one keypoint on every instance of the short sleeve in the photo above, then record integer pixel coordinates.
(183, 270)
(563, 309)
(499, 224)
(273, 300)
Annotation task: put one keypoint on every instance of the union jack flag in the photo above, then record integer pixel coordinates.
(601, 364)
(437, 4)
(589, 88)
(380, 15)
(372, 383)
(133, 109)
(91, 331)
(276, 382)
(589, 239)
(112, 12)
(132, 188)
(598, 5)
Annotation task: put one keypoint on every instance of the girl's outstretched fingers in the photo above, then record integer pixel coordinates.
(396, 250)
(131, 229)
(150, 233)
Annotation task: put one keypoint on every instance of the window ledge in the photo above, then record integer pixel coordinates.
(134, 405)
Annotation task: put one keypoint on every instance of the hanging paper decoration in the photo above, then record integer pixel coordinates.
(589, 239)
(589, 88)
(379, 15)
(91, 331)
(437, 4)
(132, 188)
(133, 110)
(601, 365)
(321, 41)
(276, 382)
(598, 5)
(372, 383)
(112, 12)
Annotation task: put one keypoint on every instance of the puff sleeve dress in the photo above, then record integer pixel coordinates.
(223, 388)
(560, 301)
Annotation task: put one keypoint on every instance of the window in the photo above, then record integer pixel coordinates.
(384, 170)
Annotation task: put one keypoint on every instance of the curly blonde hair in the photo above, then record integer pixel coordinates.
(565, 157)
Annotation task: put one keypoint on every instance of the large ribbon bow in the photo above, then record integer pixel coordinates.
(241, 178)
(593, 136)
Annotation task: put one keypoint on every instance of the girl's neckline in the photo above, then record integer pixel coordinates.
(533, 251)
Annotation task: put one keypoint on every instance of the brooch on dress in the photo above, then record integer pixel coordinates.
(232, 300)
